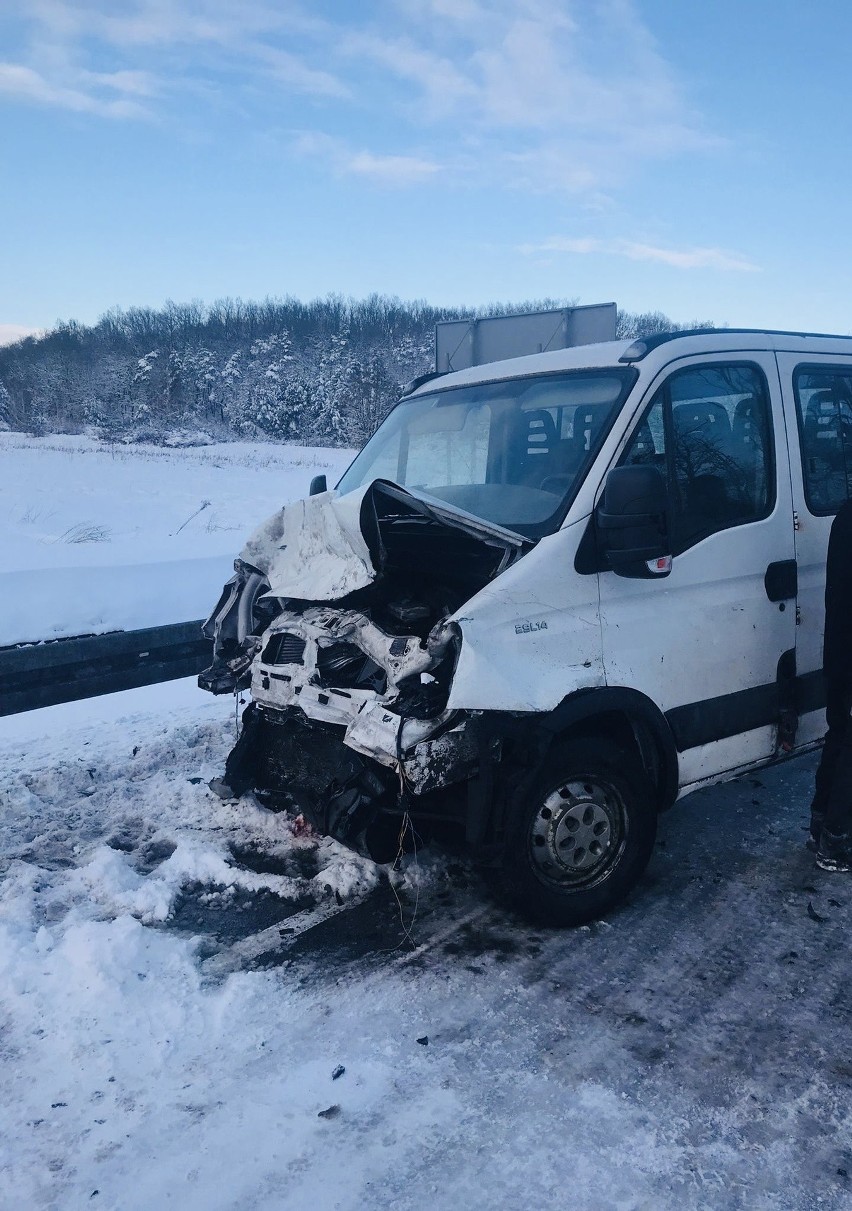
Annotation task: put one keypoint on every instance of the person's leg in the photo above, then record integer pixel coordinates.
(837, 719)
(835, 845)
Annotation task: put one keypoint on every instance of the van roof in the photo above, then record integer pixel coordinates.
(643, 345)
(629, 352)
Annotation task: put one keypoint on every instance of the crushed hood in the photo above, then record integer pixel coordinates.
(327, 546)
(313, 549)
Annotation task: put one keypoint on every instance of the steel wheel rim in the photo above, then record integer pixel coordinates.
(578, 833)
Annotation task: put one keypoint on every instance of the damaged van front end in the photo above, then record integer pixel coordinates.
(341, 619)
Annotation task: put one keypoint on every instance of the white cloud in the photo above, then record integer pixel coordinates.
(558, 96)
(391, 170)
(444, 87)
(525, 64)
(676, 258)
(201, 37)
(133, 83)
(690, 258)
(160, 23)
(394, 170)
(289, 70)
(26, 84)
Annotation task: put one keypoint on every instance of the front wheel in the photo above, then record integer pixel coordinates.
(582, 835)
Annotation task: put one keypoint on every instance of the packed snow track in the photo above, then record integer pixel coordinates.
(203, 1004)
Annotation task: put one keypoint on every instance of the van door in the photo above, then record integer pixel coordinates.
(712, 644)
(817, 393)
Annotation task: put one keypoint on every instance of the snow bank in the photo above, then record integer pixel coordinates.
(41, 604)
(115, 1048)
(99, 537)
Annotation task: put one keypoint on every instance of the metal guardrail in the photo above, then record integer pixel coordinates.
(65, 670)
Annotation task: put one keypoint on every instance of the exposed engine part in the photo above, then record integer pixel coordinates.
(283, 756)
(409, 612)
(334, 664)
(295, 762)
(345, 666)
(416, 542)
(225, 676)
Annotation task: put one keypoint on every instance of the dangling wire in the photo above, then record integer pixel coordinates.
(406, 825)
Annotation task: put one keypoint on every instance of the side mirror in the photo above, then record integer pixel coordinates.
(318, 484)
(632, 524)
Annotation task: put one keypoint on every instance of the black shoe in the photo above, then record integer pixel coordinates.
(817, 821)
(834, 852)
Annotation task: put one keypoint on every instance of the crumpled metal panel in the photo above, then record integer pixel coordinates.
(313, 549)
(531, 636)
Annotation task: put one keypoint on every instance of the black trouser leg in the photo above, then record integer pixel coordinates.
(833, 793)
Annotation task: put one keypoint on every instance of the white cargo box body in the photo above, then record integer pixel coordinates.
(460, 344)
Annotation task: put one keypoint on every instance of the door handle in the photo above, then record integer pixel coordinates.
(782, 580)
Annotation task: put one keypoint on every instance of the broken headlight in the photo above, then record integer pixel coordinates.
(240, 616)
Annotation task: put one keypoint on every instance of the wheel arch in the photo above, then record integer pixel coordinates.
(513, 749)
(628, 718)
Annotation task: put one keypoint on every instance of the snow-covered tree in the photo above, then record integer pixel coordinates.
(321, 372)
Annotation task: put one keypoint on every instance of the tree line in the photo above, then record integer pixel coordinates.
(319, 373)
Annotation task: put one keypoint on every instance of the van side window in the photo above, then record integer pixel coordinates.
(824, 407)
(708, 430)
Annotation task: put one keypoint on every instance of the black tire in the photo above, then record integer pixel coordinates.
(582, 835)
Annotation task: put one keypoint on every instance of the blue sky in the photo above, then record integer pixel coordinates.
(685, 157)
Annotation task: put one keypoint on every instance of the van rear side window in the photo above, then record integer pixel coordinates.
(824, 407)
(708, 430)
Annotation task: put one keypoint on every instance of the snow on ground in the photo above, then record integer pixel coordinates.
(690, 1052)
(100, 537)
(181, 978)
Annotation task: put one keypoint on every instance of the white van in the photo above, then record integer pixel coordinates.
(549, 597)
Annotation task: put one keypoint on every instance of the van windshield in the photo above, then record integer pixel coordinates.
(511, 452)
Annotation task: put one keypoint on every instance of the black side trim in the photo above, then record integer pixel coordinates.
(718, 718)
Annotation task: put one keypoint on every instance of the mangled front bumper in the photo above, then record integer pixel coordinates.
(308, 767)
(340, 668)
(376, 692)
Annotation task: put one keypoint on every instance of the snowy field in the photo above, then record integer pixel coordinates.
(100, 537)
(181, 979)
